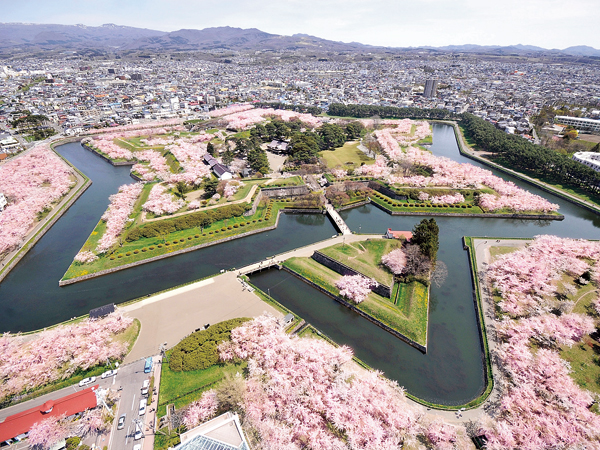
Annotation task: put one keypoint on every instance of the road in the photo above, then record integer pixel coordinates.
(131, 377)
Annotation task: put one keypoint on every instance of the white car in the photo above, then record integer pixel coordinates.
(86, 381)
(137, 447)
(145, 387)
(109, 373)
(142, 407)
(138, 432)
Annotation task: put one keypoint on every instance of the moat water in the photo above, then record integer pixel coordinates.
(450, 373)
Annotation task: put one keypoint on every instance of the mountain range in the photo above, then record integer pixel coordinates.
(110, 37)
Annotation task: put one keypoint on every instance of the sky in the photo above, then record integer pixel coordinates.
(393, 23)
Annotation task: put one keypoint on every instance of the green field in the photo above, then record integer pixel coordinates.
(413, 325)
(145, 248)
(346, 157)
(365, 257)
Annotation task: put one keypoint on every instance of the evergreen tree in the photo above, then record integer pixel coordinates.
(426, 236)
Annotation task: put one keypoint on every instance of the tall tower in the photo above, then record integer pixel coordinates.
(430, 88)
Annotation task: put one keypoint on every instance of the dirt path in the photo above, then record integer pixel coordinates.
(246, 199)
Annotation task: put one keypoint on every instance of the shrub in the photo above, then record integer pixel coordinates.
(181, 240)
(223, 229)
(260, 220)
(152, 247)
(73, 442)
(236, 225)
(243, 224)
(254, 221)
(144, 249)
(136, 251)
(175, 242)
(167, 244)
(159, 245)
(203, 234)
(199, 350)
(229, 227)
(128, 254)
(197, 235)
(112, 258)
(119, 256)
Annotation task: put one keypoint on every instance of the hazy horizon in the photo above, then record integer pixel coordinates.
(543, 23)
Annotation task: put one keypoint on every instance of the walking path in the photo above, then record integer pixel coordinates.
(31, 238)
(246, 199)
(305, 251)
(337, 219)
(548, 187)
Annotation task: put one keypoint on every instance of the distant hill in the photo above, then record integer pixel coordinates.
(38, 37)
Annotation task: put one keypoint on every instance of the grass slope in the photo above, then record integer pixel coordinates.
(348, 156)
(365, 257)
(413, 326)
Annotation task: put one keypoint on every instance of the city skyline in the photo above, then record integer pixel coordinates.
(545, 24)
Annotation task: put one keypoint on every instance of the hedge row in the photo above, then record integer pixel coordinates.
(197, 219)
(199, 350)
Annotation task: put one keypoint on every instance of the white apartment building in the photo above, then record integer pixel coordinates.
(579, 123)
(590, 159)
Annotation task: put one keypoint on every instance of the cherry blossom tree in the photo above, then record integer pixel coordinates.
(117, 214)
(304, 393)
(58, 353)
(201, 410)
(161, 202)
(395, 261)
(47, 432)
(355, 287)
(85, 257)
(32, 183)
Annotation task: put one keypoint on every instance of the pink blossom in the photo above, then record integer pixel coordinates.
(31, 182)
(448, 199)
(48, 432)
(141, 126)
(85, 257)
(190, 153)
(117, 214)
(395, 260)
(160, 201)
(299, 390)
(355, 287)
(194, 204)
(58, 353)
(232, 109)
(339, 173)
(201, 410)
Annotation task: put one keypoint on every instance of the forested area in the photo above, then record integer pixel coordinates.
(388, 112)
(517, 153)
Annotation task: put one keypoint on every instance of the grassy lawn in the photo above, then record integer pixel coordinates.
(182, 388)
(296, 180)
(414, 326)
(411, 206)
(348, 156)
(146, 248)
(365, 256)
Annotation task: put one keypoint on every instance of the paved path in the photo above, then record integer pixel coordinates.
(337, 219)
(171, 316)
(306, 251)
(50, 216)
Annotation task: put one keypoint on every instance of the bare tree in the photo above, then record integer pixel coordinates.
(230, 393)
(417, 263)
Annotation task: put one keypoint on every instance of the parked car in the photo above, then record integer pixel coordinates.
(121, 423)
(87, 381)
(145, 387)
(138, 432)
(137, 447)
(109, 373)
(142, 407)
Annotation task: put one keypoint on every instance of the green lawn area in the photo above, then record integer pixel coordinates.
(348, 156)
(149, 247)
(296, 180)
(411, 206)
(365, 256)
(182, 388)
(413, 326)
